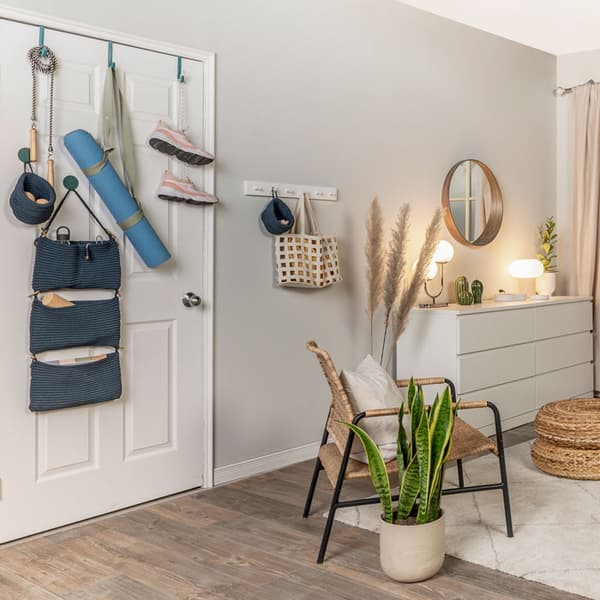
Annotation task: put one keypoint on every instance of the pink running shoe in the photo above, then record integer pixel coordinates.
(174, 143)
(182, 190)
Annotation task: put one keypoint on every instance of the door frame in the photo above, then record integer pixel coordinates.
(37, 19)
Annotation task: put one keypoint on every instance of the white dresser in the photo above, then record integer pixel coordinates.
(518, 355)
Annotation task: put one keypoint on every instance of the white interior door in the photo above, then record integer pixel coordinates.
(67, 465)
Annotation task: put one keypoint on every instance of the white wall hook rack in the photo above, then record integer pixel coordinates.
(289, 190)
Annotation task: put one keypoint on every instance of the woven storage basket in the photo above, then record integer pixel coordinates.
(304, 257)
(568, 443)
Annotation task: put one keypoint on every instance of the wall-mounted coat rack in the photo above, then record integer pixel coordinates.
(289, 190)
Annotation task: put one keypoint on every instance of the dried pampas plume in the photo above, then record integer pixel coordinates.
(375, 255)
(395, 267)
(403, 307)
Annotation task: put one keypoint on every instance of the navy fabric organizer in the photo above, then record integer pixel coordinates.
(76, 265)
(63, 386)
(86, 323)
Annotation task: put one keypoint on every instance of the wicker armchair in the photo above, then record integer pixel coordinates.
(334, 458)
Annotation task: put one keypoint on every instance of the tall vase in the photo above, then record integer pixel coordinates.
(546, 284)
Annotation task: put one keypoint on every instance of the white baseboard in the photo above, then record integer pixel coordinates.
(263, 464)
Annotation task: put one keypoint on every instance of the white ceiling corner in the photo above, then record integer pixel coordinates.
(554, 26)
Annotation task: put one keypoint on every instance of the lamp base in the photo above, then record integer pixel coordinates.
(433, 305)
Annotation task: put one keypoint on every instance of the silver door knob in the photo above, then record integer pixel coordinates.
(190, 299)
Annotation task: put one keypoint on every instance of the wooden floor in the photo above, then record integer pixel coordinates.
(245, 540)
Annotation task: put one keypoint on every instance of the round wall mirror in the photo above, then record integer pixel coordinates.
(473, 203)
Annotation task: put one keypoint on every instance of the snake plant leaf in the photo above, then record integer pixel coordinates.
(423, 438)
(412, 391)
(441, 442)
(433, 410)
(377, 470)
(417, 410)
(409, 489)
(402, 447)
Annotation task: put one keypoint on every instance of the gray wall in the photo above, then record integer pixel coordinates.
(371, 96)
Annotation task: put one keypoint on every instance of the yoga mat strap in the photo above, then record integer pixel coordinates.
(134, 219)
(95, 169)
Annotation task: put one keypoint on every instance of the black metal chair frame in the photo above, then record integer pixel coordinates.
(461, 489)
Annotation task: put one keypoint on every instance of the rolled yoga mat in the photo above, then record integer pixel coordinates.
(105, 180)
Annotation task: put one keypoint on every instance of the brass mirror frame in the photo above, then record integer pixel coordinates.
(492, 226)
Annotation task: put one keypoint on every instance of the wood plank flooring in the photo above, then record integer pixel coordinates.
(242, 541)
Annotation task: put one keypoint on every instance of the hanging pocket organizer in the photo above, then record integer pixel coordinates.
(86, 323)
(78, 264)
(62, 386)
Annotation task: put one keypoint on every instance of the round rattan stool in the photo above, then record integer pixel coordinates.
(568, 442)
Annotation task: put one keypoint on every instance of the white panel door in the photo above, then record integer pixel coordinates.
(67, 465)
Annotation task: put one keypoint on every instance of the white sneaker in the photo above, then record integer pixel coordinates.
(174, 143)
(182, 190)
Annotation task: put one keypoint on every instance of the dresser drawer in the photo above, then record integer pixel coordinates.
(512, 399)
(563, 319)
(495, 329)
(561, 352)
(494, 367)
(565, 383)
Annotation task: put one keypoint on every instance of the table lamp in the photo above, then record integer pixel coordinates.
(444, 253)
(524, 269)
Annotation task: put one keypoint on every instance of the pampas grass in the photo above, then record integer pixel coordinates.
(375, 256)
(395, 267)
(408, 298)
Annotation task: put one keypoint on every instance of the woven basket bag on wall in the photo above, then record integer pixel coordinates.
(305, 257)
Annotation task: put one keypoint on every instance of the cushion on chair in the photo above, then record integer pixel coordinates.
(371, 387)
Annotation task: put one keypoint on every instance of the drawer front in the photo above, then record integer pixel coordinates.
(512, 399)
(563, 319)
(561, 352)
(490, 330)
(564, 383)
(494, 367)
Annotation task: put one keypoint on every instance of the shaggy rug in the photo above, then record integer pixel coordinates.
(556, 523)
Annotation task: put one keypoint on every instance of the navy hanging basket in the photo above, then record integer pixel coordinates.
(25, 209)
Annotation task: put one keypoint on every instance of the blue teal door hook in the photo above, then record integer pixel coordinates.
(180, 76)
(42, 33)
(111, 63)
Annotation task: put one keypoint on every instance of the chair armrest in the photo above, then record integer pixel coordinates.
(473, 404)
(403, 383)
(381, 412)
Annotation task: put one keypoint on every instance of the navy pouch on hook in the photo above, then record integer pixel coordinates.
(277, 216)
(25, 209)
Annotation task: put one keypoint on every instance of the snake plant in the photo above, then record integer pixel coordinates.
(421, 456)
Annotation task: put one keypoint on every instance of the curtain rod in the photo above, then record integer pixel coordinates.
(94, 37)
(561, 91)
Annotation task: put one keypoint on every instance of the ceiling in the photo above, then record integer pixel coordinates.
(555, 26)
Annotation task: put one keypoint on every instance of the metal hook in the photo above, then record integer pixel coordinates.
(180, 76)
(111, 63)
(42, 32)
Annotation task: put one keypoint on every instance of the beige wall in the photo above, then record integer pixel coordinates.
(370, 96)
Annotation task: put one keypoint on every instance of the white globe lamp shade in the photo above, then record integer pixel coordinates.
(431, 270)
(526, 268)
(444, 252)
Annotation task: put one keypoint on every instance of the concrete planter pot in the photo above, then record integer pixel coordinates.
(410, 553)
(546, 284)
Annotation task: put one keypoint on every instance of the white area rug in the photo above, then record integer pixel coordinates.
(556, 523)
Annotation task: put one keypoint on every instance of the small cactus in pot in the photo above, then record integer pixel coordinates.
(477, 291)
(463, 295)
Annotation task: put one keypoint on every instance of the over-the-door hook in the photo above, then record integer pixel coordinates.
(42, 32)
(180, 75)
(111, 63)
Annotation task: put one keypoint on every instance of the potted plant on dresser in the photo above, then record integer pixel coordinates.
(412, 535)
(546, 283)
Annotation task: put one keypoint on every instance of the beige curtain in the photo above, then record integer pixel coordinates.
(585, 234)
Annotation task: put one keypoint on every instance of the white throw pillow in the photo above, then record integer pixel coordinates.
(369, 387)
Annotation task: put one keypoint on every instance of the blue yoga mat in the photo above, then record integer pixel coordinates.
(86, 152)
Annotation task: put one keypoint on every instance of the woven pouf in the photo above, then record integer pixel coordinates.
(568, 442)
